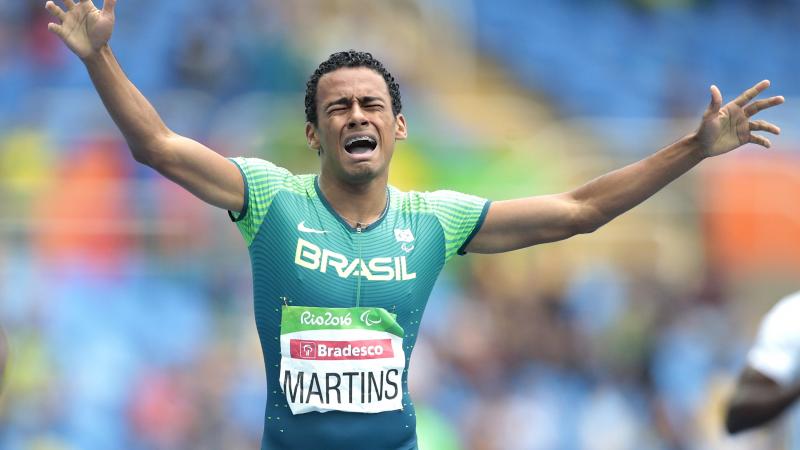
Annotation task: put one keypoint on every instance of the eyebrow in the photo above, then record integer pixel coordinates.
(346, 101)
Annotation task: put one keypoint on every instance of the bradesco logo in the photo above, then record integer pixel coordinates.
(341, 350)
(313, 257)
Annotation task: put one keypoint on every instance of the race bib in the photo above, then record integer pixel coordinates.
(341, 359)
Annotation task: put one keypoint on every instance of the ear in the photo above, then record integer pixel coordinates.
(311, 137)
(400, 128)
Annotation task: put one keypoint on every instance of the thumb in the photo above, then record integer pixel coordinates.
(716, 100)
(108, 6)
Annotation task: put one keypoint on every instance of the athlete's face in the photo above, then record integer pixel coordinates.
(356, 129)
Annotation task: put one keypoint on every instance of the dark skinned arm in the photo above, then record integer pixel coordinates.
(758, 399)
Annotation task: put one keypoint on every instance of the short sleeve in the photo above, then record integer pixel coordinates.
(776, 352)
(262, 181)
(461, 217)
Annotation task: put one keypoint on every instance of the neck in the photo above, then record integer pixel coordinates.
(356, 203)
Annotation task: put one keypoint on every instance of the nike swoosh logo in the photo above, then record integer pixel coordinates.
(302, 227)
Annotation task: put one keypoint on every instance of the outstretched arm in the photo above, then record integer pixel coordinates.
(519, 223)
(757, 400)
(203, 172)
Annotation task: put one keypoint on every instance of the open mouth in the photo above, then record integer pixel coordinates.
(357, 145)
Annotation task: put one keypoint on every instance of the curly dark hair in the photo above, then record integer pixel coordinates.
(350, 58)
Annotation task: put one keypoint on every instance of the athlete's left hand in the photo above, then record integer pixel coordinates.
(725, 128)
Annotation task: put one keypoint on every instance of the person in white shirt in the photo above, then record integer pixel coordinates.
(770, 383)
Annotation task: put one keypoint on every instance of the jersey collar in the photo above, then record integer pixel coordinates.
(341, 219)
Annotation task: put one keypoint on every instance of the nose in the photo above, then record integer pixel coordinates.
(357, 117)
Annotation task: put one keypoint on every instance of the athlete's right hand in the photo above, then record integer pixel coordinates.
(84, 28)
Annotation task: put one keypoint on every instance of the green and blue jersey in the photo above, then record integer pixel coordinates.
(304, 254)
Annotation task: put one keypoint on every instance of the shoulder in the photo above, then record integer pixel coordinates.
(790, 304)
(410, 201)
(784, 314)
(260, 173)
(252, 166)
(433, 201)
(776, 352)
(459, 216)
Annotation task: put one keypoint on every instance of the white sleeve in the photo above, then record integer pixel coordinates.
(776, 352)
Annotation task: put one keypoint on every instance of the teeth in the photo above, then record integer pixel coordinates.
(355, 139)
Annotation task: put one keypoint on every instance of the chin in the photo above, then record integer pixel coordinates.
(363, 173)
(361, 176)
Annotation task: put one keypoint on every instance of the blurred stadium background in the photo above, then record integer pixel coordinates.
(128, 305)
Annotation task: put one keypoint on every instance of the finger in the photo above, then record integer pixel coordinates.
(751, 93)
(762, 125)
(716, 100)
(761, 105)
(57, 29)
(69, 4)
(55, 11)
(760, 140)
(108, 6)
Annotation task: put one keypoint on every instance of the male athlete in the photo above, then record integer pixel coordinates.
(770, 383)
(343, 263)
